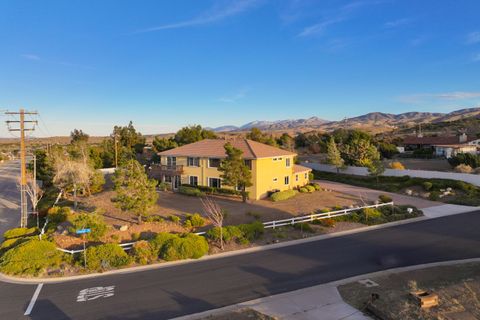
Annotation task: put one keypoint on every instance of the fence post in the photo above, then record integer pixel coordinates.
(273, 224)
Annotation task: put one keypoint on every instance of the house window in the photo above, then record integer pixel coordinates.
(275, 159)
(275, 179)
(248, 163)
(214, 183)
(193, 162)
(306, 175)
(287, 162)
(296, 177)
(287, 180)
(171, 161)
(193, 180)
(213, 162)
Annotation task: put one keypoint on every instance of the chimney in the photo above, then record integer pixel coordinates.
(462, 138)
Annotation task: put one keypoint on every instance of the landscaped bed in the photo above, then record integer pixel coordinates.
(448, 191)
(457, 287)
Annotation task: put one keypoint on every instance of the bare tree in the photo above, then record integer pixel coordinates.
(72, 174)
(215, 214)
(34, 191)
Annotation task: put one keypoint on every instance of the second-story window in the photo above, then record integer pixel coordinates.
(171, 161)
(213, 162)
(287, 162)
(193, 162)
(248, 163)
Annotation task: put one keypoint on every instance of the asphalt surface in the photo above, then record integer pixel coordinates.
(9, 196)
(202, 285)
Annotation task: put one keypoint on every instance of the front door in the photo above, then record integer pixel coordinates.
(175, 182)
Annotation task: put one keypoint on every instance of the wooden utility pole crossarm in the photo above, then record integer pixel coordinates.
(23, 154)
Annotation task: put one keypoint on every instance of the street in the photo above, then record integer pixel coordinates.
(9, 196)
(202, 285)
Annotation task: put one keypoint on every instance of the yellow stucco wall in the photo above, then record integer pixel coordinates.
(267, 174)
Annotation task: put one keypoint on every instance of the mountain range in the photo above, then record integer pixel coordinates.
(372, 120)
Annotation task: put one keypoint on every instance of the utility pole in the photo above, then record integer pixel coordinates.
(23, 161)
(116, 151)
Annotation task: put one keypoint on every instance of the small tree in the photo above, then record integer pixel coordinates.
(235, 172)
(215, 214)
(72, 174)
(376, 169)
(135, 191)
(333, 155)
(35, 193)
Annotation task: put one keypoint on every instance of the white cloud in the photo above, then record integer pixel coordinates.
(235, 97)
(436, 97)
(397, 23)
(30, 56)
(473, 37)
(215, 14)
(337, 16)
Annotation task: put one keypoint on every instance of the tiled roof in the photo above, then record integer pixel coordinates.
(298, 168)
(431, 140)
(214, 148)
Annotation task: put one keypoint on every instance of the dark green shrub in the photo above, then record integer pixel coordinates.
(189, 246)
(303, 190)
(190, 191)
(143, 253)
(434, 195)
(194, 221)
(427, 185)
(154, 218)
(58, 215)
(164, 186)
(33, 257)
(252, 231)
(283, 195)
(384, 198)
(229, 233)
(19, 232)
(159, 241)
(105, 256)
(92, 221)
(304, 227)
(174, 219)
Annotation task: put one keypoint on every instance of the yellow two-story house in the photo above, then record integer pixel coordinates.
(273, 169)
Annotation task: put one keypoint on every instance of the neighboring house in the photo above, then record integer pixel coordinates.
(446, 146)
(272, 168)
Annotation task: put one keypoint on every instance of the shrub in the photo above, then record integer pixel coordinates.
(159, 241)
(310, 188)
(105, 256)
(311, 176)
(229, 233)
(194, 221)
(189, 246)
(143, 253)
(463, 168)
(174, 219)
(253, 214)
(31, 258)
(304, 227)
(434, 195)
(396, 165)
(19, 232)
(92, 221)
(303, 190)
(427, 185)
(190, 191)
(58, 215)
(371, 214)
(316, 186)
(384, 198)
(135, 236)
(97, 182)
(8, 244)
(164, 186)
(252, 231)
(154, 218)
(472, 160)
(283, 195)
(328, 222)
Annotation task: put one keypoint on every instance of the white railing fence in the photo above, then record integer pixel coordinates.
(276, 223)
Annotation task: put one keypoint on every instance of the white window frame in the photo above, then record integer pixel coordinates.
(209, 182)
(286, 180)
(193, 161)
(190, 181)
(172, 160)
(275, 180)
(288, 162)
(208, 162)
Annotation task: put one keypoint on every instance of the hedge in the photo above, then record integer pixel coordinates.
(8, 244)
(252, 231)
(143, 252)
(19, 232)
(189, 246)
(159, 241)
(211, 190)
(190, 191)
(33, 258)
(92, 221)
(229, 233)
(194, 221)
(106, 256)
(303, 190)
(283, 195)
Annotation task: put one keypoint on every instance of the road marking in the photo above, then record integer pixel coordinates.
(34, 299)
(95, 293)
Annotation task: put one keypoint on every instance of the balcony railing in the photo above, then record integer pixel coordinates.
(166, 170)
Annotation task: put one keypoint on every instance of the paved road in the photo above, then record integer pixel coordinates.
(9, 196)
(194, 287)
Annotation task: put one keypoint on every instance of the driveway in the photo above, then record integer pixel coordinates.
(9, 196)
(372, 195)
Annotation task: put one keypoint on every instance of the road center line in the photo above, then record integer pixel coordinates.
(34, 299)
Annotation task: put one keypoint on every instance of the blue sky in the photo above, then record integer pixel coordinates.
(165, 64)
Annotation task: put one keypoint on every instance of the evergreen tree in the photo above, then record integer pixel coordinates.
(334, 157)
(235, 172)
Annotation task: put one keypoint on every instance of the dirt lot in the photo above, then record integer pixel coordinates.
(458, 288)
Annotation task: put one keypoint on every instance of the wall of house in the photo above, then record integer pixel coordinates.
(265, 173)
(302, 179)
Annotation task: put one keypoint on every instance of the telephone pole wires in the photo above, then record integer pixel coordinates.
(23, 157)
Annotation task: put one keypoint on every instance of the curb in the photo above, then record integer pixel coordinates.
(20, 280)
(252, 303)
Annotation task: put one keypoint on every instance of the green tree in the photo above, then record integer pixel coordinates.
(235, 172)
(78, 136)
(162, 144)
(376, 169)
(334, 157)
(128, 138)
(192, 134)
(256, 134)
(387, 150)
(286, 142)
(359, 151)
(135, 192)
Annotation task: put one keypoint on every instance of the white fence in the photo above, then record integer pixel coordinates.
(274, 224)
(362, 171)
